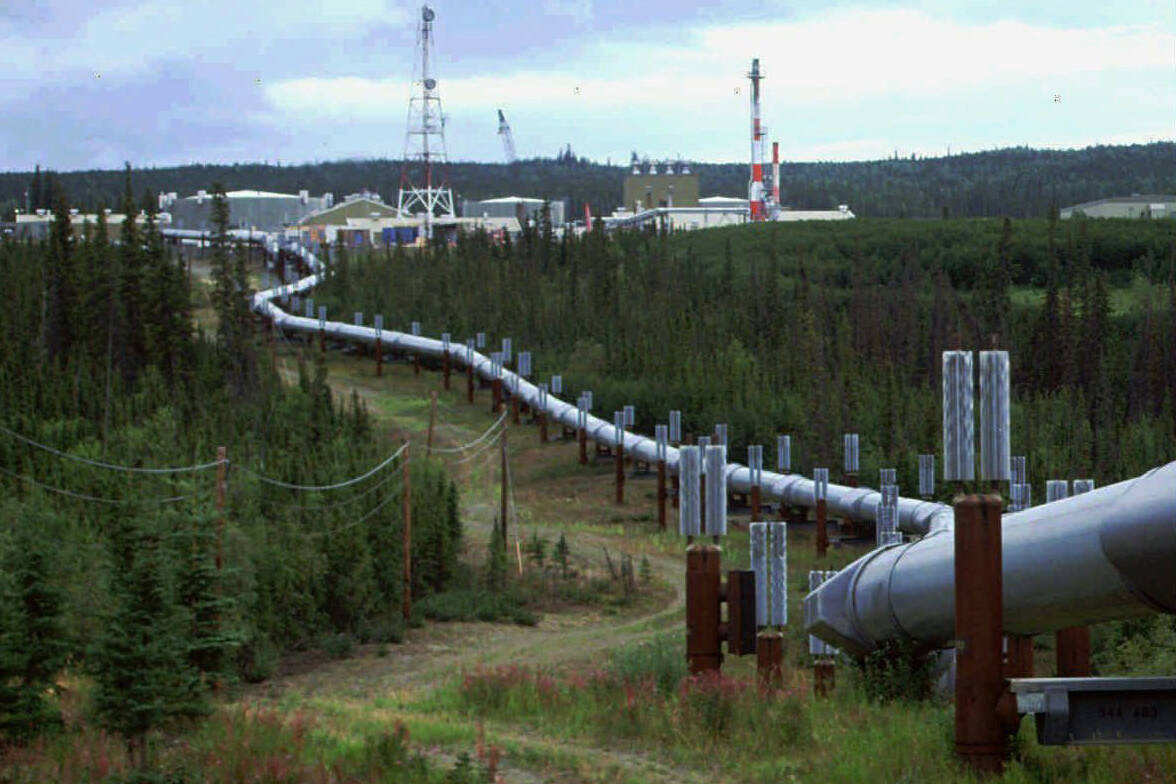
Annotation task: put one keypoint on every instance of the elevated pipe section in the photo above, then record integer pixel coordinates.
(1103, 555)
(1100, 556)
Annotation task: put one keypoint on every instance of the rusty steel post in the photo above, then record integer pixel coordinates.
(322, 341)
(470, 383)
(755, 503)
(661, 495)
(1073, 652)
(583, 436)
(416, 365)
(1018, 656)
(980, 739)
(769, 660)
(851, 480)
(620, 451)
(514, 409)
(445, 370)
(379, 357)
(822, 528)
(824, 677)
(543, 428)
(702, 608)
(496, 395)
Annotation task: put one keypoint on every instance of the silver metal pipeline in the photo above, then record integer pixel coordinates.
(1102, 555)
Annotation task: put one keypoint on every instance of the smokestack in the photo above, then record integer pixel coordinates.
(776, 173)
(755, 194)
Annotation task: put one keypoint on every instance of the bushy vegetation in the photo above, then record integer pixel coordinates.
(644, 696)
(246, 744)
(816, 330)
(140, 579)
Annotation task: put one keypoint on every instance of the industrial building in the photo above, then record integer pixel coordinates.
(36, 225)
(653, 185)
(519, 207)
(260, 210)
(366, 221)
(1135, 206)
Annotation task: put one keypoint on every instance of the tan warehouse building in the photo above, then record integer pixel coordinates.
(1148, 205)
(650, 191)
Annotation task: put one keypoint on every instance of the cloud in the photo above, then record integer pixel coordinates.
(579, 11)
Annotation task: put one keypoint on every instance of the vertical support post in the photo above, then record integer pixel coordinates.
(505, 487)
(470, 382)
(1073, 652)
(514, 404)
(702, 608)
(1018, 656)
(432, 422)
(980, 740)
(769, 660)
(619, 449)
(583, 436)
(445, 370)
(496, 393)
(661, 495)
(379, 357)
(221, 470)
(822, 528)
(405, 467)
(824, 677)
(543, 427)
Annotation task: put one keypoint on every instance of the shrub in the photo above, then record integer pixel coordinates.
(896, 671)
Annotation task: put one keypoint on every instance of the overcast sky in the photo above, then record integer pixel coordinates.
(156, 83)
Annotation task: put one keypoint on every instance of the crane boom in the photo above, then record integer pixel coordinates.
(507, 138)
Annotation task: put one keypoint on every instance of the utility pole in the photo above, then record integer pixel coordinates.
(505, 486)
(405, 467)
(221, 470)
(432, 420)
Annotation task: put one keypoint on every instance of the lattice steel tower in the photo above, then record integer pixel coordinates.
(424, 138)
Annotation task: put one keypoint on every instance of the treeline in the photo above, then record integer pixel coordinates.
(136, 577)
(820, 329)
(1020, 182)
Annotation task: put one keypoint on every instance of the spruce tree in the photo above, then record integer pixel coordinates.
(33, 643)
(141, 677)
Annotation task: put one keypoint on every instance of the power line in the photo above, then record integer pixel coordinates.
(109, 466)
(99, 499)
(359, 521)
(337, 504)
(319, 488)
(485, 434)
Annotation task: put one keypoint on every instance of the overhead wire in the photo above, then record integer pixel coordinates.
(100, 499)
(322, 488)
(109, 466)
(337, 504)
(366, 516)
(485, 434)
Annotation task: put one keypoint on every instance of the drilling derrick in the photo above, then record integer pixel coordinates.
(423, 184)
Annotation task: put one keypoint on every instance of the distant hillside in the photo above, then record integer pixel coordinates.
(1019, 181)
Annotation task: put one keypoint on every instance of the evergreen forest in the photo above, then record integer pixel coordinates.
(818, 329)
(118, 561)
(1021, 182)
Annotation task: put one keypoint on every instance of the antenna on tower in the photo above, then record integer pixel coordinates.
(424, 138)
(507, 138)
